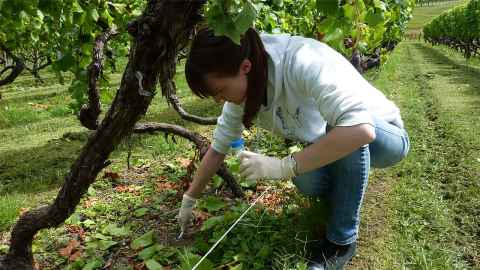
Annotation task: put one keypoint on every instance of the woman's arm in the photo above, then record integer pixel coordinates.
(209, 165)
(337, 143)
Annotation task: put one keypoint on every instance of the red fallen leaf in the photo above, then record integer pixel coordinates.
(67, 251)
(111, 175)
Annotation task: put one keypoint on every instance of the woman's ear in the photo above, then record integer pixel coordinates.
(245, 67)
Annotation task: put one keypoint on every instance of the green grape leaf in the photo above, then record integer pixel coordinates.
(211, 204)
(106, 244)
(211, 222)
(349, 11)
(217, 181)
(153, 265)
(119, 8)
(374, 19)
(145, 240)
(246, 18)
(65, 61)
(76, 8)
(327, 7)
(149, 252)
(93, 14)
(107, 17)
(188, 260)
(113, 230)
(380, 5)
(140, 212)
(93, 264)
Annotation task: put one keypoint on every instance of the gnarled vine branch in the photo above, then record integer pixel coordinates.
(89, 112)
(200, 142)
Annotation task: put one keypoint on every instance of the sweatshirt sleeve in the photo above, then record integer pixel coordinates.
(229, 127)
(332, 82)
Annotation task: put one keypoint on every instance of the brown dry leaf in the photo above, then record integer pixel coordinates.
(111, 175)
(23, 210)
(75, 230)
(185, 182)
(138, 266)
(108, 264)
(38, 106)
(200, 217)
(260, 188)
(89, 202)
(67, 251)
(75, 256)
(184, 162)
(36, 266)
(126, 188)
(320, 35)
(160, 186)
(271, 201)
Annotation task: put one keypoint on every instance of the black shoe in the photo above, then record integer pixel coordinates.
(329, 256)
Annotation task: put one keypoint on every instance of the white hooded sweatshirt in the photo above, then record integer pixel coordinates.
(309, 85)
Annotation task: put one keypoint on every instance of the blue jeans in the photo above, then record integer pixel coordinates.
(343, 182)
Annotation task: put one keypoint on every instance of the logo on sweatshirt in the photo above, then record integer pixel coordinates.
(290, 122)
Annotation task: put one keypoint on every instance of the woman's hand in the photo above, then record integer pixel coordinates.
(185, 214)
(255, 166)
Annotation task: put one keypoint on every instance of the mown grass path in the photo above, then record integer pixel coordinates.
(425, 212)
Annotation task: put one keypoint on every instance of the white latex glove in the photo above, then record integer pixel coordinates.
(185, 215)
(255, 166)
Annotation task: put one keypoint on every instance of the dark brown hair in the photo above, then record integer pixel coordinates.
(220, 55)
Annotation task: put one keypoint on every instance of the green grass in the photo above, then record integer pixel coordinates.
(35, 155)
(431, 212)
(421, 214)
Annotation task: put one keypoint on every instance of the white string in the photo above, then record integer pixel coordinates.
(229, 229)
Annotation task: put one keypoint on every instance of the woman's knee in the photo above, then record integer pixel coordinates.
(389, 149)
(313, 183)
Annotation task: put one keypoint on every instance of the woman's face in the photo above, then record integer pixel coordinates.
(231, 88)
